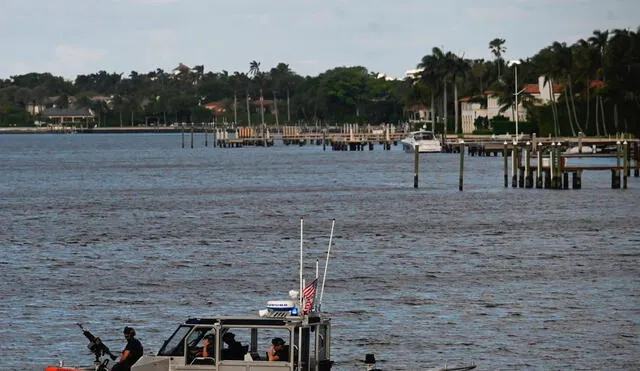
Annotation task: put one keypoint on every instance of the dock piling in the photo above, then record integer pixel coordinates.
(506, 170)
(625, 174)
(539, 166)
(461, 181)
(528, 176)
(514, 166)
(416, 165)
(636, 159)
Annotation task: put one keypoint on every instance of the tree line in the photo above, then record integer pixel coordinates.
(597, 79)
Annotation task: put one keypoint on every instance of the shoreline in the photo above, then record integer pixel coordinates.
(100, 130)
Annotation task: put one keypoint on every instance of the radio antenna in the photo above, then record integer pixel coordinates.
(301, 283)
(326, 264)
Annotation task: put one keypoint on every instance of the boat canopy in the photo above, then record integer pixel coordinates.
(307, 340)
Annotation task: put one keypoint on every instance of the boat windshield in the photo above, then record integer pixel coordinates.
(424, 136)
(174, 346)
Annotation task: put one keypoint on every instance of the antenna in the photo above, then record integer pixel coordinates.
(326, 264)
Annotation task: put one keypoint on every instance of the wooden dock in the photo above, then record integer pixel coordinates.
(552, 166)
(347, 139)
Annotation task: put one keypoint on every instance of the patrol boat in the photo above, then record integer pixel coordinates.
(306, 336)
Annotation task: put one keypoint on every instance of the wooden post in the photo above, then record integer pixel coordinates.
(520, 167)
(416, 165)
(514, 166)
(636, 160)
(324, 139)
(539, 166)
(191, 135)
(552, 166)
(562, 176)
(625, 173)
(579, 143)
(618, 162)
(461, 182)
(528, 177)
(577, 179)
(182, 131)
(206, 137)
(547, 175)
(506, 170)
(615, 179)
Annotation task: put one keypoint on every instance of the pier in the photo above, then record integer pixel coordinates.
(548, 163)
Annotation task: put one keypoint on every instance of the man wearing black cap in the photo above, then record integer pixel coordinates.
(234, 349)
(131, 353)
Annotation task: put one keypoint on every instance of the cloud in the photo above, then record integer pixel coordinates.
(74, 58)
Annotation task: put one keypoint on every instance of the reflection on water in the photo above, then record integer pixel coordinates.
(114, 230)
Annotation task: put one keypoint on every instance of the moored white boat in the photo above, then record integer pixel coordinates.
(424, 139)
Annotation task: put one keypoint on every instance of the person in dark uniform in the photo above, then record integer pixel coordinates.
(131, 353)
(278, 351)
(234, 349)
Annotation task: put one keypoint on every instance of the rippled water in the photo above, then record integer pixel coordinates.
(114, 230)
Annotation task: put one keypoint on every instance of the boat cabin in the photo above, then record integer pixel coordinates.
(306, 338)
(423, 135)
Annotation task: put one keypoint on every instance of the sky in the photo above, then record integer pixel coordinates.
(72, 37)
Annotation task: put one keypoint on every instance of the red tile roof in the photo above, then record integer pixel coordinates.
(532, 89)
(217, 107)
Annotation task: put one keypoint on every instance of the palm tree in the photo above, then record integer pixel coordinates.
(430, 76)
(254, 72)
(442, 68)
(585, 61)
(622, 71)
(459, 68)
(546, 65)
(478, 71)
(254, 69)
(599, 42)
(497, 48)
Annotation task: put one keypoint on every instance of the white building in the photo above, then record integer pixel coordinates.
(487, 104)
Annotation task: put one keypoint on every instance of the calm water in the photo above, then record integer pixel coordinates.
(115, 230)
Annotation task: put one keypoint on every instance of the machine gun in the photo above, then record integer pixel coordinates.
(97, 347)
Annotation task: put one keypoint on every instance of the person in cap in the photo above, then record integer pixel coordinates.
(131, 353)
(278, 351)
(234, 349)
(370, 361)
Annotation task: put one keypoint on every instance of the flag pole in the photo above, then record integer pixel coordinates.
(326, 264)
(301, 287)
(315, 305)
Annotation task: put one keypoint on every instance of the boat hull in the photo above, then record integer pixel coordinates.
(430, 147)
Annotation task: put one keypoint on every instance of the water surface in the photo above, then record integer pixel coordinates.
(115, 230)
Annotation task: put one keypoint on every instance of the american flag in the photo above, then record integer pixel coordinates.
(309, 294)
